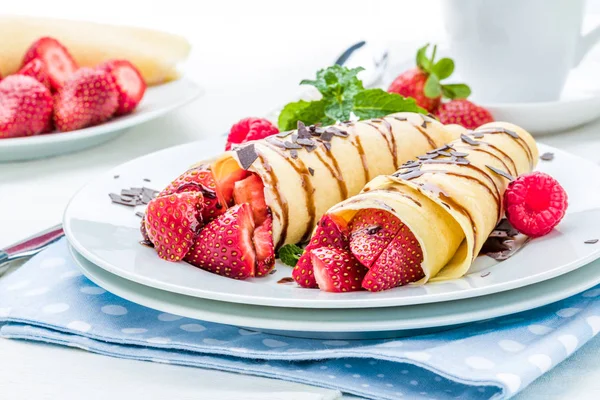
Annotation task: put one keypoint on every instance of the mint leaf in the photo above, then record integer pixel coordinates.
(337, 82)
(456, 91)
(376, 103)
(309, 112)
(443, 68)
(290, 254)
(432, 88)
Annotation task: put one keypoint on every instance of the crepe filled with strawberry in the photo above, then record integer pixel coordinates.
(429, 220)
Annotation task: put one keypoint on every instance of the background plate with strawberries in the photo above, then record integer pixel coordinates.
(108, 235)
(158, 100)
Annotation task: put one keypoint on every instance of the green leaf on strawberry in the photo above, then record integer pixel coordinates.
(443, 68)
(456, 91)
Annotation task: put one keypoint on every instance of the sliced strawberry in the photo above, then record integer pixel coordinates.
(60, 65)
(331, 232)
(226, 185)
(199, 179)
(224, 246)
(251, 190)
(371, 230)
(172, 223)
(265, 249)
(89, 97)
(130, 84)
(336, 270)
(398, 264)
(37, 70)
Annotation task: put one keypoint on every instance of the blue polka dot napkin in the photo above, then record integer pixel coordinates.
(49, 300)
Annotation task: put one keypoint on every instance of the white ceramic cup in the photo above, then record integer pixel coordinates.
(512, 51)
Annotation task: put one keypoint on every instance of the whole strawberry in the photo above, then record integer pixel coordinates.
(37, 70)
(250, 129)
(423, 83)
(89, 97)
(25, 107)
(130, 84)
(60, 65)
(463, 112)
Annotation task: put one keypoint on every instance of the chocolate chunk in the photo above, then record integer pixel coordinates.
(139, 214)
(327, 135)
(311, 171)
(290, 145)
(501, 173)
(327, 146)
(294, 153)
(302, 131)
(247, 155)
(458, 153)
(305, 142)
(547, 156)
(126, 201)
(591, 241)
(283, 134)
(469, 140)
(272, 140)
(318, 131)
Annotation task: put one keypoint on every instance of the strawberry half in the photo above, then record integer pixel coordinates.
(89, 97)
(265, 249)
(371, 230)
(224, 246)
(25, 107)
(130, 84)
(172, 223)
(59, 63)
(331, 232)
(37, 70)
(398, 264)
(251, 190)
(336, 270)
(199, 179)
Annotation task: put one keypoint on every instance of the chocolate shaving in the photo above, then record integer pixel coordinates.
(469, 140)
(130, 193)
(485, 274)
(501, 173)
(430, 116)
(458, 153)
(287, 279)
(294, 137)
(547, 156)
(424, 124)
(275, 142)
(290, 145)
(146, 180)
(310, 149)
(461, 161)
(327, 135)
(272, 271)
(149, 192)
(139, 214)
(302, 131)
(478, 135)
(410, 164)
(327, 145)
(126, 201)
(116, 177)
(317, 131)
(283, 134)
(294, 153)
(305, 142)
(247, 155)
(311, 171)
(591, 241)
(337, 131)
(428, 156)
(444, 153)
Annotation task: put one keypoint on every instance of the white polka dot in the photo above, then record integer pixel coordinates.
(71, 274)
(79, 326)
(4, 312)
(437, 379)
(567, 312)
(245, 332)
(274, 343)
(113, 309)
(52, 262)
(537, 329)
(213, 341)
(512, 381)
(414, 383)
(94, 290)
(389, 385)
(18, 285)
(365, 385)
(335, 343)
(356, 376)
(570, 342)
(36, 292)
(347, 365)
(542, 361)
(592, 293)
(159, 340)
(133, 331)
(166, 317)
(511, 346)
(331, 376)
(594, 323)
(193, 327)
(380, 375)
(476, 362)
(55, 308)
(418, 355)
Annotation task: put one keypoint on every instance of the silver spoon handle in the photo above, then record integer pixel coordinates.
(31, 245)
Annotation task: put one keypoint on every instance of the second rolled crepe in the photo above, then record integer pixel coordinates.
(451, 198)
(308, 170)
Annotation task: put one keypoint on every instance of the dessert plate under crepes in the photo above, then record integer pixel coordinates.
(158, 100)
(108, 235)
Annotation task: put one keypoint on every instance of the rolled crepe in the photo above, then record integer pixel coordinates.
(451, 199)
(306, 171)
(156, 54)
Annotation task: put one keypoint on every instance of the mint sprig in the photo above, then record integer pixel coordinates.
(342, 94)
(438, 71)
(289, 254)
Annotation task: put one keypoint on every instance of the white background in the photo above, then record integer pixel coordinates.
(249, 57)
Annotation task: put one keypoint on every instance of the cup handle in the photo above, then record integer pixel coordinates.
(586, 43)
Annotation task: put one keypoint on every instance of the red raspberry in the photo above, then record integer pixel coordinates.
(250, 129)
(463, 112)
(535, 203)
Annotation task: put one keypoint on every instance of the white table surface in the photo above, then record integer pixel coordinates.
(249, 57)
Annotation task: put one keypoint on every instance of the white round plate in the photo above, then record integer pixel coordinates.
(578, 105)
(348, 323)
(108, 235)
(157, 101)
